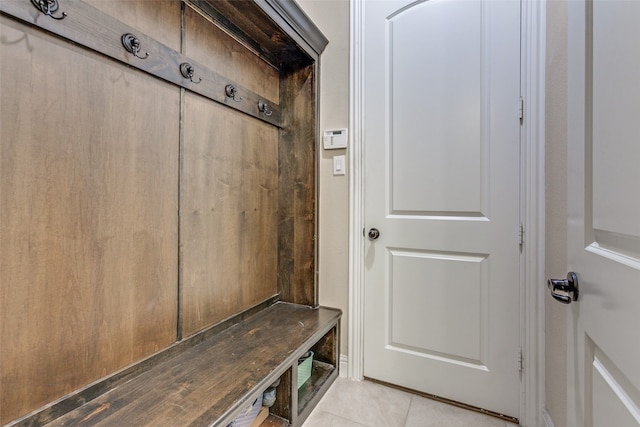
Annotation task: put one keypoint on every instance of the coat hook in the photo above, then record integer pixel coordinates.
(187, 72)
(48, 7)
(232, 92)
(263, 107)
(132, 45)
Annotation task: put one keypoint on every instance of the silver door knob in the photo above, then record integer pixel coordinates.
(374, 233)
(564, 290)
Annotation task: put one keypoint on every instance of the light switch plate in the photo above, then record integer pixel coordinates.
(339, 165)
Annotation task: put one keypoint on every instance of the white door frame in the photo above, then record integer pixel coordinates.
(532, 201)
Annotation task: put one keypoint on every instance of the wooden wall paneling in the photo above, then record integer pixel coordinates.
(229, 186)
(251, 27)
(297, 188)
(89, 191)
(278, 31)
(325, 350)
(88, 210)
(228, 219)
(159, 19)
(97, 30)
(90, 27)
(214, 48)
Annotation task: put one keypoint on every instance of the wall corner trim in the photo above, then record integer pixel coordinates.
(344, 366)
(533, 216)
(356, 190)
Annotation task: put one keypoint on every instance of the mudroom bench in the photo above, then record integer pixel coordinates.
(160, 213)
(219, 376)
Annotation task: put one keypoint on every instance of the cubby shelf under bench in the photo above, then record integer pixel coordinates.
(211, 382)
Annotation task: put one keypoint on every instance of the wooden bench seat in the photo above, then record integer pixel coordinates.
(214, 380)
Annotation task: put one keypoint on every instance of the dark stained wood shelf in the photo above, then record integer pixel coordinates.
(211, 382)
(273, 421)
(320, 373)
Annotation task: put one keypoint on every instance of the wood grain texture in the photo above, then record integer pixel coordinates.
(309, 394)
(325, 349)
(210, 46)
(283, 405)
(277, 30)
(81, 396)
(274, 421)
(228, 221)
(159, 19)
(213, 381)
(297, 189)
(88, 208)
(90, 27)
(90, 184)
(249, 24)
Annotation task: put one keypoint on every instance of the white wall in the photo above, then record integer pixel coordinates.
(332, 18)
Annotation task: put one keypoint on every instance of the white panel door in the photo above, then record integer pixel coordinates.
(604, 213)
(442, 155)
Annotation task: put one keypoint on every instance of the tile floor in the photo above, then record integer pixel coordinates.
(364, 403)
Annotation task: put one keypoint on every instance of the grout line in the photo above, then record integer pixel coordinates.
(406, 416)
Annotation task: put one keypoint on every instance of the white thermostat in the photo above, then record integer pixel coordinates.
(333, 139)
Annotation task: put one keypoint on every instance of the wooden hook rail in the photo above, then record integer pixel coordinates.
(90, 27)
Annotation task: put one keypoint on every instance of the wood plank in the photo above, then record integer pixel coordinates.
(323, 375)
(228, 218)
(100, 219)
(144, 16)
(273, 421)
(254, 28)
(209, 45)
(320, 373)
(214, 380)
(89, 205)
(325, 350)
(283, 405)
(277, 30)
(297, 189)
(96, 30)
(81, 396)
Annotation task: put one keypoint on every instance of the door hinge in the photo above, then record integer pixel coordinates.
(521, 109)
(521, 235)
(520, 360)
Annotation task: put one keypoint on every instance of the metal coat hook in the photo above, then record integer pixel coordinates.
(132, 45)
(187, 72)
(232, 92)
(263, 107)
(48, 7)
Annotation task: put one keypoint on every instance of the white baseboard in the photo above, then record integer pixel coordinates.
(344, 365)
(546, 417)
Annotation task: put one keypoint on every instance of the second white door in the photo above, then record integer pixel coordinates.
(603, 229)
(442, 155)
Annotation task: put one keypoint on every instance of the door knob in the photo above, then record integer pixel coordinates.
(564, 290)
(374, 233)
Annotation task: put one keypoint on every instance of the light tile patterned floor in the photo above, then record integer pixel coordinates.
(363, 403)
